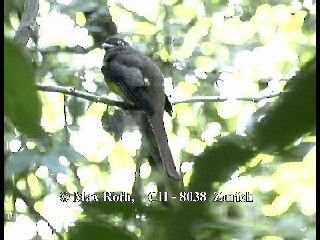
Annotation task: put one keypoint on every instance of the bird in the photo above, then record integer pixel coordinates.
(137, 79)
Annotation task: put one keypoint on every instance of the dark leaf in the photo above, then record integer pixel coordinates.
(292, 116)
(21, 102)
(98, 230)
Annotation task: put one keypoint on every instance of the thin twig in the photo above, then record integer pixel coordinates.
(65, 116)
(35, 212)
(223, 99)
(28, 21)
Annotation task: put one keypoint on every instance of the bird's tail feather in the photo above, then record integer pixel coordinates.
(165, 152)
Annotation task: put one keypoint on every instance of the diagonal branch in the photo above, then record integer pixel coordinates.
(37, 215)
(28, 21)
(137, 16)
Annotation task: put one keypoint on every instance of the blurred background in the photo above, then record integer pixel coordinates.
(241, 77)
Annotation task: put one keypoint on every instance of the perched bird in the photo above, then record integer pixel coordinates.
(134, 77)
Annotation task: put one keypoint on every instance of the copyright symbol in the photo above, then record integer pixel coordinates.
(64, 196)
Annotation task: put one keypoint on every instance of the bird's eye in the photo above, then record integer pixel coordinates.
(120, 42)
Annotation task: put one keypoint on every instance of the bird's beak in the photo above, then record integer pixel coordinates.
(107, 46)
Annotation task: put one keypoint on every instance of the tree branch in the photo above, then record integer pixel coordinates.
(137, 16)
(127, 106)
(57, 49)
(221, 99)
(84, 95)
(28, 21)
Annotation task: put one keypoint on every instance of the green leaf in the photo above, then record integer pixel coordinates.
(76, 107)
(292, 116)
(88, 230)
(219, 161)
(21, 102)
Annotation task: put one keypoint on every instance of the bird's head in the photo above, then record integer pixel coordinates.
(113, 42)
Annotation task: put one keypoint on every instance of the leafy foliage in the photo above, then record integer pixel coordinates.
(276, 130)
(265, 146)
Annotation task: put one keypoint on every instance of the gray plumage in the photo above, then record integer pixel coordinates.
(141, 81)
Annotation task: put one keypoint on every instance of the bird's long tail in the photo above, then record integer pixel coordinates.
(165, 152)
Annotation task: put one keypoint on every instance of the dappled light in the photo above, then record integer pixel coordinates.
(81, 164)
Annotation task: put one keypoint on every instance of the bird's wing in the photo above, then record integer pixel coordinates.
(130, 80)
